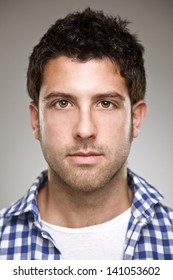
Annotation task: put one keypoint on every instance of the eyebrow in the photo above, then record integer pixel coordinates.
(55, 94)
(113, 94)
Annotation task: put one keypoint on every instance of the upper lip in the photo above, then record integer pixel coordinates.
(85, 154)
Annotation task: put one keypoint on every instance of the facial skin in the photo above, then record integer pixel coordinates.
(85, 124)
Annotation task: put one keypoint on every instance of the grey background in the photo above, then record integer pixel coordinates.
(22, 23)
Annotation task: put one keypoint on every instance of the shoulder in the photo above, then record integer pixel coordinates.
(164, 214)
(24, 207)
(28, 201)
(148, 200)
(9, 215)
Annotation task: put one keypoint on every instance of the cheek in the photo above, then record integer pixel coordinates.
(116, 135)
(53, 127)
(116, 126)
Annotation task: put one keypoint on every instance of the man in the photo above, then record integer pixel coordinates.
(86, 81)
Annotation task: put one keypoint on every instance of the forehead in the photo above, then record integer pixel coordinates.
(73, 76)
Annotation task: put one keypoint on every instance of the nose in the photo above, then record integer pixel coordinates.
(85, 127)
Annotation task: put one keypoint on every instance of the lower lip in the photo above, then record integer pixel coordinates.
(92, 159)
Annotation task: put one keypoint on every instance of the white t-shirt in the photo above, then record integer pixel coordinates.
(99, 242)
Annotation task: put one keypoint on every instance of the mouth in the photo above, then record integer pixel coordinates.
(90, 157)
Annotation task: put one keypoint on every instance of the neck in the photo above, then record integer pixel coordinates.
(64, 206)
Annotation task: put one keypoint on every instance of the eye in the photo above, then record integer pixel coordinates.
(62, 104)
(106, 104)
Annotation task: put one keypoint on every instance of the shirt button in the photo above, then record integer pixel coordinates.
(44, 233)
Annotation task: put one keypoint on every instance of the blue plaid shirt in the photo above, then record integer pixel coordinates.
(149, 234)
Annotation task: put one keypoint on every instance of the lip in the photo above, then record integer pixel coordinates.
(85, 154)
(90, 157)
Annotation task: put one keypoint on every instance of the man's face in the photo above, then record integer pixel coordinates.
(84, 122)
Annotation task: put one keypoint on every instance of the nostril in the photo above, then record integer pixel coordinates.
(85, 127)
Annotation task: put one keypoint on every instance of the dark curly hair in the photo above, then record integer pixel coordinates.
(90, 35)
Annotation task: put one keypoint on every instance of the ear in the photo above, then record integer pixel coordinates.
(34, 117)
(138, 114)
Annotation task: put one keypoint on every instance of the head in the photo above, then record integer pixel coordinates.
(85, 36)
(86, 79)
